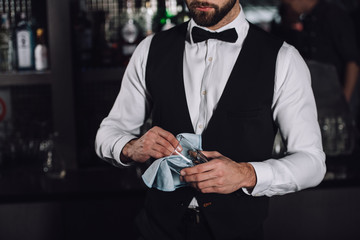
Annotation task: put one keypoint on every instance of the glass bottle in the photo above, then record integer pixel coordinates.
(25, 44)
(53, 162)
(147, 13)
(183, 13)
(159, 12)
(130, 33)
(83, 29)
(41, 53)
(169, 18)
(328, 133)
(5, 37)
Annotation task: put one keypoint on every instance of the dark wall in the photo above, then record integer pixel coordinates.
(315, 215)
(97, 218)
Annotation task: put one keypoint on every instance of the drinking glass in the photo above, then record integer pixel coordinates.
(189, 153)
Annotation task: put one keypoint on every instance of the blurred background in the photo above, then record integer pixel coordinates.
(61, 65)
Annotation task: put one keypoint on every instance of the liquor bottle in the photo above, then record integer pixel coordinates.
(5, 37)
(41, 53)
(83, 30)
(147, 13)
(169, 18)
(154, 6)
(130, 33)
(183, 13)
(159, 12)
(112, 38)
(102, 50)
(25, 44)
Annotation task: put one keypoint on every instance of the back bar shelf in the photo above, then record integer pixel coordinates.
(25, 78)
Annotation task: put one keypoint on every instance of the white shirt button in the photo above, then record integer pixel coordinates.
(203, 92)
(210, 59)
(201, 126)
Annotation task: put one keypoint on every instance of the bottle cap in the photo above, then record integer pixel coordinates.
(39, 32)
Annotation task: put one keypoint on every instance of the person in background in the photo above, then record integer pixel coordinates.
(324, 32)
(235, 85)
(355, 14)
(356, 18)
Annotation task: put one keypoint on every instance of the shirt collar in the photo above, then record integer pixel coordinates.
(240, 24)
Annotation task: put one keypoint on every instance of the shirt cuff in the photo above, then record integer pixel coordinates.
(264, 178)
(118, 147)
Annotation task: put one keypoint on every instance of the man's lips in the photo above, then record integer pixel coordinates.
(204, 8)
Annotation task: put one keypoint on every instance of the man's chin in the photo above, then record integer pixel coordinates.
(204, 19)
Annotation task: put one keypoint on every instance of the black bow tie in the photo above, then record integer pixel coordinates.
(200, 35)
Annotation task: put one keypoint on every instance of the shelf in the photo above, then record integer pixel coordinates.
(101, 74)
(25, 78)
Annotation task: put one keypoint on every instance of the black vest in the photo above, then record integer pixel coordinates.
(241, 128)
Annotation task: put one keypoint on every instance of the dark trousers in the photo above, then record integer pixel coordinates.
(195, 227)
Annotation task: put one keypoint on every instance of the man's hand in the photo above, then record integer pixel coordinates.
(156, 143)
(220, 175)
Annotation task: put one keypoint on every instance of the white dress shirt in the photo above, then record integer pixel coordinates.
(207, 67)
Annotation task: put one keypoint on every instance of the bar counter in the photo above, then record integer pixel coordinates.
(102, 202)
(93, 203)
(29, 183)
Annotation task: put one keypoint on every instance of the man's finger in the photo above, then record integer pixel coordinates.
(205, 176)
(158, 151)
(204, 167)
(163, 143)
(211, 154)
(169, 137)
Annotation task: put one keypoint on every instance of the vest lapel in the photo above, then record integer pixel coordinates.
(165, 81)
(239, 79)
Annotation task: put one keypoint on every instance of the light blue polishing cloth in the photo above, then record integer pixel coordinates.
(164, 173)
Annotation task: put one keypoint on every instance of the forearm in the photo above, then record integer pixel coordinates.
(129, 111)
(109, 144)
(125, 153)
(351, 76)
(292, 173)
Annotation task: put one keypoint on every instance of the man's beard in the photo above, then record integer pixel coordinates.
(207, 19)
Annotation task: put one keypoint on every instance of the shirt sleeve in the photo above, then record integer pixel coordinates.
(130, 109)
(294, 111)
